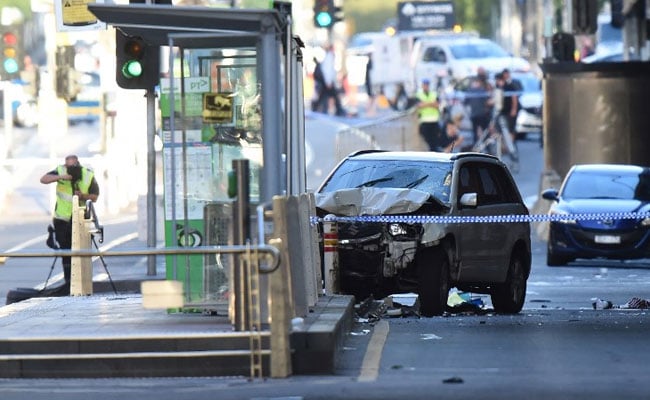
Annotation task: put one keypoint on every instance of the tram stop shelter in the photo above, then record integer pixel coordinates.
(234, 91)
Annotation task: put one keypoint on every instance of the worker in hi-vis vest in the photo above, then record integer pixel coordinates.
(428, 113)
(71, 179)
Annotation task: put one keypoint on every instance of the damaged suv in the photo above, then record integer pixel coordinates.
(411, 250)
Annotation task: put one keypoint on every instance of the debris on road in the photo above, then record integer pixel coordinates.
(637, 303)
(599, 304)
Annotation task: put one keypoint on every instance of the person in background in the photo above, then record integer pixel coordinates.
(319, 85)
(330, 90)
(72, 179)
(428, 110)
(511, 91)
(479, 100)
(370, 109)
(449, 139)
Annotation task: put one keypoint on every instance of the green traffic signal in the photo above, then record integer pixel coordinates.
(324, 19)
(132, 69)
(10, 66)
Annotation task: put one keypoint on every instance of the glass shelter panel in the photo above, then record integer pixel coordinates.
(211, 115)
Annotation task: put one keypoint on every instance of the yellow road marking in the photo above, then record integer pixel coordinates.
(372, 359)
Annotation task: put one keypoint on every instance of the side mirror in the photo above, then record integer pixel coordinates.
(550, 194)
(469, 200)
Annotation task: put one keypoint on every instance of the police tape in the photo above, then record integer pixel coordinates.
(478, 219)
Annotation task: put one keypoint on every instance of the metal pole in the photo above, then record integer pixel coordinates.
(271, 183)
(151, 180)
(241, 235)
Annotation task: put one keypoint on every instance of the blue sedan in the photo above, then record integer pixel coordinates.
(606, 189)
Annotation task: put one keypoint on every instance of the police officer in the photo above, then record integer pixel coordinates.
(428, 114)
(71, 179)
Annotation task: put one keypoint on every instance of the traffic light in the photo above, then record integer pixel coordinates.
(67, 85)
(563, 46)
(326, 14)
(137, 63)
(11, 54)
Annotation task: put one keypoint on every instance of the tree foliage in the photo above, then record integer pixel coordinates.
(24, 6)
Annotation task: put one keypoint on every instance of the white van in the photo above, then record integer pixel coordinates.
(457, 58)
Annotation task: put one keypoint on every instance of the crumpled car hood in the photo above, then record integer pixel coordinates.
(371, 201)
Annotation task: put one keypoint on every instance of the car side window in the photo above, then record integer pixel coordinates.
(489, 189)
(496, 187)
(434, 54)
(466, 181)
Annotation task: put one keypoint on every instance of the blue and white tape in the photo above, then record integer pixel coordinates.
(478, 219)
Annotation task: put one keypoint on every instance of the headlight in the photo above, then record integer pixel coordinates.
(645, 222)
(562, 221)
(396, 229)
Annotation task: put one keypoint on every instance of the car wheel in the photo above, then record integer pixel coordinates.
(433, 285)
(508, 298)
(553, 260)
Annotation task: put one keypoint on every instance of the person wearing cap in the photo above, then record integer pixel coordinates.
(72, 179)
(428, 110)
(450, 139)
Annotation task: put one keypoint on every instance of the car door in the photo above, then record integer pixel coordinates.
(483, 246)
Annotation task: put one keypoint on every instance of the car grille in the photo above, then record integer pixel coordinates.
(629, 239)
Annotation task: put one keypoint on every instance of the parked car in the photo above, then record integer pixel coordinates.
(529, 118)
(606, 189)
(379, 259)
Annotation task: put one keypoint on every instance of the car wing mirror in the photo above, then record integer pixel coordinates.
(469, 200)
(550, 194)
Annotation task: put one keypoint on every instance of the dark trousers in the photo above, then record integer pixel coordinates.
(63, 232)
(325, 95)
(430, 131)
(479, 121)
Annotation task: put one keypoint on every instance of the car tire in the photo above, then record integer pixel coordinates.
(553, 260)
(509, 297)
(433, 284)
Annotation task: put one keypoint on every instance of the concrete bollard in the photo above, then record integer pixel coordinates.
(81, 279)
(330, 255)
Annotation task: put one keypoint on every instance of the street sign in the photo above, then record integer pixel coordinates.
(424, 15)
(217, 108)
(73, 15)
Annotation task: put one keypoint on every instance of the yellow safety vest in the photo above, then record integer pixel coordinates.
(428, 114)
(64, 191)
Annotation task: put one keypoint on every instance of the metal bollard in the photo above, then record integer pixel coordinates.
(330, 255)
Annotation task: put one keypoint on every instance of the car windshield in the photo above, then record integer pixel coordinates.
(608, 185)
(477, 50)
(430, 177)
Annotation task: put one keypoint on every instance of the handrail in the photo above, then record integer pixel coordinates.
(238, 249)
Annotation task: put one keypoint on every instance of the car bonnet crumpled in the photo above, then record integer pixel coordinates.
(371, 201)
